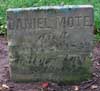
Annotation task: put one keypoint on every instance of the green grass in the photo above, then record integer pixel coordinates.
(5, 4)
(97, 37)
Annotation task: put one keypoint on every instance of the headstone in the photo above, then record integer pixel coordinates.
(51, 43)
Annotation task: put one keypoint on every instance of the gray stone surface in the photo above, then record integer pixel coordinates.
(50, 43)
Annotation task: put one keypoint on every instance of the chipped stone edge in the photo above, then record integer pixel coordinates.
(49, 7)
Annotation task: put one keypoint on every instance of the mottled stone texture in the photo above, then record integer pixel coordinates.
(50, 43)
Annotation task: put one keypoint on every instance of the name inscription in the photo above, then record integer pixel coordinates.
(26, 22)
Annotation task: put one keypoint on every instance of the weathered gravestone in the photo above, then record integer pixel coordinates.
(50, 43)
